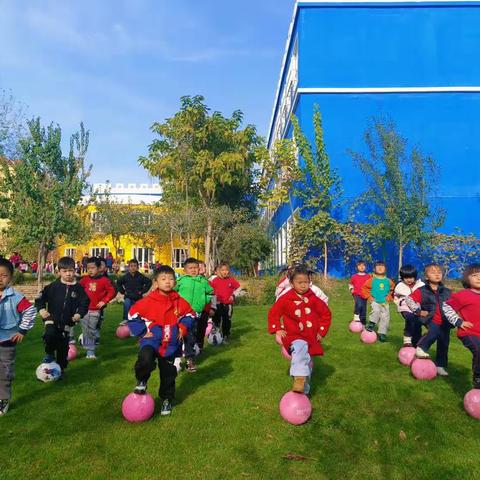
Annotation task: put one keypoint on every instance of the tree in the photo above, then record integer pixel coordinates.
(40, 194)
(400, 182)
(12, 125)
(201, 156)
(319, 190)
(246, 245)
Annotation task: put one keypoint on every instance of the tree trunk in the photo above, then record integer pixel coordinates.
(171, 248)
(41, 265)
(325, 260)
(400, 255)
(208, 247)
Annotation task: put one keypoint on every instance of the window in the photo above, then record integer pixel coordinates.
(143, 254)
(95, 220)
(179, 255)
(70, 252)
(120, 252)
(100, 251)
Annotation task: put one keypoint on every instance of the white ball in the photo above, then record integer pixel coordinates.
(48, 372)
(215, 338)
(178, 364)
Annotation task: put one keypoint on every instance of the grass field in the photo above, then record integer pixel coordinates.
(371, 419)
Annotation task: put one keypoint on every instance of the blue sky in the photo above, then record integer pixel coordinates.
(121, 65)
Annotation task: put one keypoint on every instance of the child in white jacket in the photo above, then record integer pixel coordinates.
(407, 285)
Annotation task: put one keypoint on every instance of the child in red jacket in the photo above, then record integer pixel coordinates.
(161, 320)
(462, 310)
(301, 319)
(224, 288)
(100, 291)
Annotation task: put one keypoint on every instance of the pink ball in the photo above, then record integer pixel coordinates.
(286, 354)
(209, 329)
(406, 355)
(355, 327)
(471, 402)
(278, 339)
(123, 331)
(72, 352)
(368, 337)
(138, 408)
(295, 408)
(424, 369)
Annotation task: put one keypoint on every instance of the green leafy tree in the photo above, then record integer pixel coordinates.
(41, 193)
(400, 181)
(201, 157)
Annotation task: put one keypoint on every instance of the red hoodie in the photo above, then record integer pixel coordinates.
(99, 289)
(223, 289)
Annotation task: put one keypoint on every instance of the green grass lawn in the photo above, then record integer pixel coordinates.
(371, 419)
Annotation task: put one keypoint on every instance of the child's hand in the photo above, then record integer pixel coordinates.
(100, 304)
(319, 337)
(17, 338)
(231, 299)
(281, 333)
(44, 313)
(424, 313)
(466, 325)
(180, 334)
(76, 317)
(149, 334)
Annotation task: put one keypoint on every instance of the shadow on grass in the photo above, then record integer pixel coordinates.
(321, 372)
(459, 380)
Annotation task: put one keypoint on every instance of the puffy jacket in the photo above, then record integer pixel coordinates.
(17, 314)
(195, 290)
(134, 286)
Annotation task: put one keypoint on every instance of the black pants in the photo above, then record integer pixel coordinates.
(360, 308)
(189, 341)
(441, 335)
(202, 324)
(413, 327)
(146, 365)
(223, 318)
(56, 344)
(472, 342)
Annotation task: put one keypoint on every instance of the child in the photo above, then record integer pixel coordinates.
(426, 303)
(100, 291)
(378, 290)
(355, 286)
(17, 317)
(196, 290)
(463, 311)
(284, 285)
(161, 320)
(61, 304)
(224, 288)
(133, 286)
(306, 320)
(407, 285)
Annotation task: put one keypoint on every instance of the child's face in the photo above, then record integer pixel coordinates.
(409, 281)
(67, 274)
(300, 283)
(433, 275)
(164, 282)
(191, 269)
(133, 267)
(474, 280)
(92, 269)
(380, 270)
(102, 267)
(361, 267)
(224, 271)
(202, 269)
(5, 278)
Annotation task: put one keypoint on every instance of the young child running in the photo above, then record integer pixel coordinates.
(355, 286)
(161, 320)
(61, 304)
(409, 282)
(224, 288)
(100, 291)
(426, 303)
(301, 319)
(133, 286)
(463, 311)
(196, 290)
(284, 285)
(17, 317)
(378, 290)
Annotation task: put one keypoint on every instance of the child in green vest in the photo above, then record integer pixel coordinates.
(196, 290)
(378, 290)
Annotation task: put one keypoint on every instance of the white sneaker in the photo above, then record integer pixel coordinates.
(442, 372)
(356, 317)
(91, 356)
(420, 353)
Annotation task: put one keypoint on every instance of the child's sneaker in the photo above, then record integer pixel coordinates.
(141, 388)
(225, 340)
(4, 404)
(298, 384)
(166, 408)
(48, 359)
(476, 382)
(442, 372)
(178, 364)
(407, 341)
(382, 338)
(91, 356)
(191, 367)
(72, 341)
(420, 353)
(370, 327)
(122, 323)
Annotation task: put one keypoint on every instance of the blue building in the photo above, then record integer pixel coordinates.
(416, 62)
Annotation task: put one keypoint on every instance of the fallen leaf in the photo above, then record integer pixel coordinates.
(245, 474)
(296, 457)
(402, 435)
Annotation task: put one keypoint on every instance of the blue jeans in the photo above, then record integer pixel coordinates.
(413, 327)
(472, 342)
(360, 308)
(127, 304)
(441, 335)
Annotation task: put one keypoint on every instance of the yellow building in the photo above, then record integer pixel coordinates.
(172, 253)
